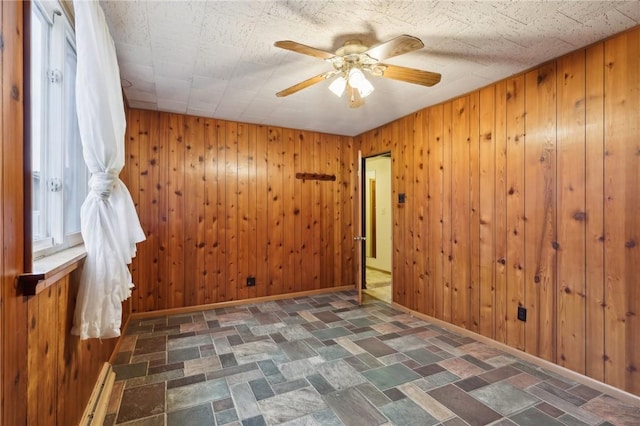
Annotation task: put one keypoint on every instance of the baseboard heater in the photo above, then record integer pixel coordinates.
(96, 409)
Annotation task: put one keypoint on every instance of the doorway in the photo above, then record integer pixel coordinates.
(377, 222)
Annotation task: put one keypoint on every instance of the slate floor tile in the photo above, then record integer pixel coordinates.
(353, 409)
(320, 384)
(375, 347)
(183, 354)
(197, 393)
(394, 394)
(194, 416)
(291, 405)
(261, 389)
(226, 417)
(534, 417)
(129, 371)
(326, 418)
(423, 356)
(504, 398)
(330, 333)
(150, 345)
(405, 412)
(613, 410)
(244, 400)
(254, 421)
(390, 376)
(340, 374)
(464, 406)
(142, 401)
(222, 404)
(375, 396)
(333, 352)
(297, 350)
(471, 383)
(300, 362)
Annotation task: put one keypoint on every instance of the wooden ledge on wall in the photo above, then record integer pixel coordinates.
(315, 176)
(50, 269)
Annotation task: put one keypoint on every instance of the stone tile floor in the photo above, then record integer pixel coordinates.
(323, 360)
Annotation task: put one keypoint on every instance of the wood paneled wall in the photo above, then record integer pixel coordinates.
(46, 375)
(62, 369)
(527, 193)
(219, 201)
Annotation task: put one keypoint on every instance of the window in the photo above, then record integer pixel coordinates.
(59, 178)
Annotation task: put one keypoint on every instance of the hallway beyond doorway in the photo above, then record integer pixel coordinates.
(378, 284)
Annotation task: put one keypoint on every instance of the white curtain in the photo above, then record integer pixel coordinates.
(110, 225)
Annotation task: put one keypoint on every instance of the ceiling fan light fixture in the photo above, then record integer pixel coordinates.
(358, 81)
(365, 88)
(338, 86)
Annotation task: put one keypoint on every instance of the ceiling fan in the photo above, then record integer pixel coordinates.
(349, 62)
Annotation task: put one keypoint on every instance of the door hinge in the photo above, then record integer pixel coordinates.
(55, 76)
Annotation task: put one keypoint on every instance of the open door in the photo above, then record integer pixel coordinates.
(359, 238)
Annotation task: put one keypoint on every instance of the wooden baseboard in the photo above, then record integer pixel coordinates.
(188, 309)
(555, 368)
(378, 269)
(96, 408)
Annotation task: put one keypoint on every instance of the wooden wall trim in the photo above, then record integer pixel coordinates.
(13, 318)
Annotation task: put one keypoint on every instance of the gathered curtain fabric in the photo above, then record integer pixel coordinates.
(109, 222)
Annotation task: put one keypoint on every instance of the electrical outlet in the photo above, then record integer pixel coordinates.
(251, 281)
(522, 313)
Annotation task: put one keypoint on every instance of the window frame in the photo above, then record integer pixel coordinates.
(56, 148)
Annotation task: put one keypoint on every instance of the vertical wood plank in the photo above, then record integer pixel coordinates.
(244, 212)
(501, 196)
(275, 211)
(571, 212)
(447, 165)
(436, 199)
(622, 204)
(594, 250)
(339, 194)
(305, 143)
(316, 212)
(460, 213)
(252, 213)
(348, 211)
(299, 213)
(194, 196)
(221, 214)
(262, 209)
(474, 200)
(211, 210)
(289, 210)
(231, 209)
(145, 292)
(540, 211)
(515, 210)
(405, 134)
(421, 211)
(398, 184)
(487, 211)
(160, 209)
(176, 187)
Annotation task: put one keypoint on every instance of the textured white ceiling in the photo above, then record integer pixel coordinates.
(217, 59)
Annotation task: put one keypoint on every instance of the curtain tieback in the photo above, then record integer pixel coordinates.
(102, 183)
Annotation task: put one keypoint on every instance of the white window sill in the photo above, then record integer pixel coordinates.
(49, 269)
